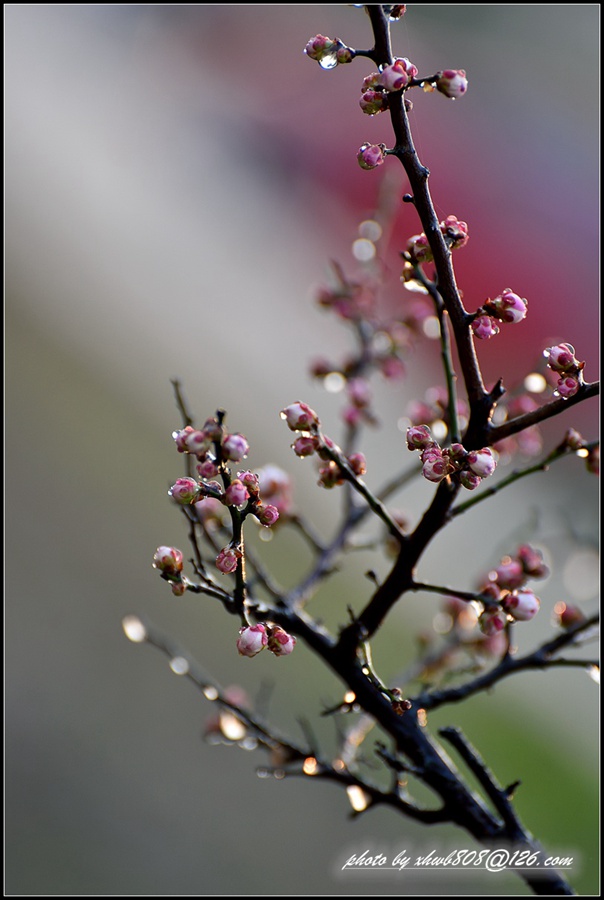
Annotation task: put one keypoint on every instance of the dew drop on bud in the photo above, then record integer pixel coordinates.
(329, 61)
(210, 692)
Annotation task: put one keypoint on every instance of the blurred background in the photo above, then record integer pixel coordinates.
(178, 179)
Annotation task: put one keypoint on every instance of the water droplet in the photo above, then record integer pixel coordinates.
(357, 797)
(310, 766)
(134, 629)
(210, 692)
(232, 727)
(261, 772)
(179, 665)
(329, 61)
(248, 743)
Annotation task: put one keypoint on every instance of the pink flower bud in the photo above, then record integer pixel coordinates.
(469, 480)
(236, 494)
(485, 327)
(522, 605)
(419, 248)
(452, 83)
(344, 55)
(455, 231)
(252, 640)
(213, 429)
(251, 481)
(509, 574)
(482, 462)
(352, 415)
(280, 642)
(492, 621)
(330, 475)
(398, 75)
(197, 442)
(300, 417)
(235, 447)
(178, 588)
(305, 445)
(567, 386)
(185, 490)
(357, 463)
(435, 464)
(509, 307)
(180, 437)
(267, 515)
(226, 561)
(568, 616)
(208, 468)
(319, 46)
(373, 102)
(371, 82)
(574, 440)
(561, 358)
(457, 453)
(168, 560)
(532, 561)
(370, 156)
(419, 437)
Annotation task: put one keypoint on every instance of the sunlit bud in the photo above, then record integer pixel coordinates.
(320, 46)
(455, 231)
(509, 574)
(491, 591)
(435, 464)
(280, 642)
(593, 460)
(252, 640)
(197, 442)
(469, 480)
(236, 494)
(452, 83)
(207, 469)
(522, 605)
(485, 327)
(226, 561)
(213, 429)
(532, 561)
(371, 82)
(574, 440)
(457, 453)
(567, 386)
(492, 621)
(178, 588)
(185, 490)
(397, 76)
(180, 437)
(370, 156)
(251, 481)
(267, 515)
(561, 358)
(482, 462)
(568, 616)
(168, 560)
(305, 445)
(419, 248)
(373, 102)
(330, 475)
(419, 437)
(300, 417)
(509, 307)
(357, 463)
(235, 447)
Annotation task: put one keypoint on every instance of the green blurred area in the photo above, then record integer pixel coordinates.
(114, 286)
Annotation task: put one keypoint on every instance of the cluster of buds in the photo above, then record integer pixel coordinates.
(168, 561)
(254, 638)
(328, 52)
(507, 307)
(470, 467)
(561, 359)
(508, 597)
(378, 85)
(211, 445)
(351, 300)
(418, 249)
(304, 420)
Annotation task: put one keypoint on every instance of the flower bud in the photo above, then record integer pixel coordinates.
(398, 75)
(226, 561)
(300, 417)
(178, 588)
(252, 640)
(319, 46)
(593, 460)
(357, 463)
(419, 248)
(370, 156)
(280, 642)
(568, 616)
(267, 515)
(492, 621)
(419, 437)
(168, 560)
(208, 468)
(509, 575)
(197, 442)
(567, 386)
(330, 475)
(373, 102)
(213, 429)
(455, 232)
(305, 445)
(469, 480)
(344, 55)
(251, 482)
(532, 562)
(276, 486)
(485, 327)
(180, 437)
(522, 605)
(235, 447)
(482, 462)
(236, 494)
(561, 358)
(185, 490)
(435, 464)
(574, 440)
(509, 307)
(452, 83)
